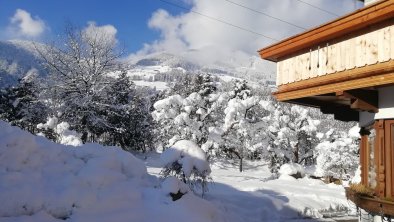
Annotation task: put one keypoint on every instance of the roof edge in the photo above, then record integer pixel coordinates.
(357, 20)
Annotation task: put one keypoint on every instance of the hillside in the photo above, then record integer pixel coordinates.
(18, 58)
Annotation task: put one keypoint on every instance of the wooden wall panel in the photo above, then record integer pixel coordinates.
(367, 49)
(314, 62)
(350, 53)
(286, 69)
(322, 61)
(305, 66)
(371, 43)
(361, 51)
(384, 42)
(291, 63)
(297, 68)
(340, 55)
(331, 59)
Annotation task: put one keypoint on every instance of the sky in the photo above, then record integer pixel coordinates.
(191, 29)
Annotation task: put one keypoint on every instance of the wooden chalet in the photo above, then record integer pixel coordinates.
(346, 68)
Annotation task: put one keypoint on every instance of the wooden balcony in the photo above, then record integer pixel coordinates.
(373, 205)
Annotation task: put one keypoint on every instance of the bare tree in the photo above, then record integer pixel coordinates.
(78, 76)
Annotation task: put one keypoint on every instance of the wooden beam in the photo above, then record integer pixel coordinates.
(361, 105)
(362, 100)
(362, 72)
(378, 80)
(362, 18)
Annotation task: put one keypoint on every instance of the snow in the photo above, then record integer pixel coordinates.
(290, 169)
(357, 176)
(173, 185)
(44, 181)
(156, 85)
(254, 196)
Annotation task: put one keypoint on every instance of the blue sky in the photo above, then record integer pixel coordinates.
(130, 17)
(146, 26)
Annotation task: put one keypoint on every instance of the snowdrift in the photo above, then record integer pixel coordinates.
(44, 181)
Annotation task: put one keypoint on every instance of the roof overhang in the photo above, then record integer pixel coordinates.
(357, 20)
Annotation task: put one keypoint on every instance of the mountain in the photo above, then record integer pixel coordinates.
(162, 66)
(17, 59)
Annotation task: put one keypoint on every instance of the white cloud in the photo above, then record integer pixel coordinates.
(22, 24)
(217, 41)
(106, 31)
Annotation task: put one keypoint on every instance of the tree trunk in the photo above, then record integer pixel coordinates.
(240, 164)
(296, 157)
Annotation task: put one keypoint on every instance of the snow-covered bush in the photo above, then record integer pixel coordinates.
(187, 161)
(63, 134)
(338, 155)
(292, 169)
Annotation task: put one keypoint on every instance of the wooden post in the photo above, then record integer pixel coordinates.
(364, 156)
(381, 168)
(388, 133)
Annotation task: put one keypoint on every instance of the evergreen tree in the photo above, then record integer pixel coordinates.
(21, 106)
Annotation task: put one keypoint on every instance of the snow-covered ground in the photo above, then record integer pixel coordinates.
(254, 196)
(155, 85)
(44, 181)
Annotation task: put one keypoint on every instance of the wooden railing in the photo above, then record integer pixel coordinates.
(374, 46)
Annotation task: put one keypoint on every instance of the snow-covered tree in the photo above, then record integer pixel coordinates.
(243, 130)
(292, 135)
(20, 105)
(79, 68)
(189, 114)
(337, 154)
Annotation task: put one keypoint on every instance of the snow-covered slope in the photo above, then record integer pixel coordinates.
(17, 58)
